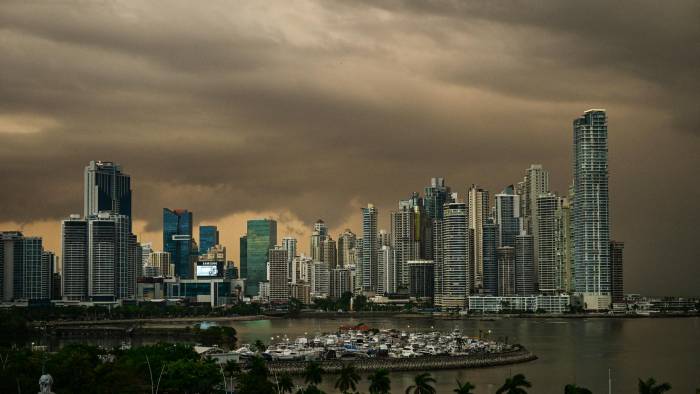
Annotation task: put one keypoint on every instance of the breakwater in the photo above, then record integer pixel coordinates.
(422, 363)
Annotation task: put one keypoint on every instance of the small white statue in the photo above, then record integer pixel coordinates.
(45, 383)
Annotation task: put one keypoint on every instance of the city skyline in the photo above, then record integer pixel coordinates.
(295, 146)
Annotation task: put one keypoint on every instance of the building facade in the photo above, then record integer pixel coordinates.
(260, 238)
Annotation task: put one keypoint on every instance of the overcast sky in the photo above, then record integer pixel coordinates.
(302, 110)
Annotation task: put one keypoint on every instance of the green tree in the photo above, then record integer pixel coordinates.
(514, 385)
(294, 307)
(347, 382)
(574, 389)
(379, 382)
(256, 379)
(650, 387)
(313, 373)
(422, 384)
(284, 384)
(359, 303)
(465, 388)
(259, 346)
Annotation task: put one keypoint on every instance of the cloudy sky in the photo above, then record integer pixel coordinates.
(306, 109)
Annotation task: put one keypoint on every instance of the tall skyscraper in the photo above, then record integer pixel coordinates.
(109, 270)
(591, 221)
(548, 271)
(243, 253)
(506, 271)
(507, 216)
(178, 241)
(490, 243)
(403, 232)
(279, 275)
(318, 235)
(387, 271)
(74, 249)
(370, 249)
(163, 261)
(536, 182)
(617, 284)
(329, 252)
(340, 282)
(208, 237)
(107, 189)
(454, 281)
(320, 279)
(436, 196)
(346, 248)
(290, 245)
(478, 205)
(421, 282)
(261, 237)
(565, 246)
(525, 264)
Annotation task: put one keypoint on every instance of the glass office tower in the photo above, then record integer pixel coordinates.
(208, 237)
(177, 240)
(261, 237)
(107, 189)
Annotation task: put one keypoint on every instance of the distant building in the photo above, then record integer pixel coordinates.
(279, 274)
(525, 264)
(421, 275)
(590, 216)
(340, 282)
(452, 260)
(107, 189)
(536, 182)
(25, 268)
(74, 249)
(490, 243)
(370, 249)
(208, 237)
(507, 216)
(478, 206)
(163, 263)
(261, 237)
(329, 252)
(301, 291)
(386, 266)
(506, 271)
(178, 241)
(290, 245)
(320, 278)
(616, 271)
(548, 271)
(346, 248)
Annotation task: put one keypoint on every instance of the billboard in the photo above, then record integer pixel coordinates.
(209, 269)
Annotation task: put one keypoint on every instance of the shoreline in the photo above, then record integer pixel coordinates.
(423, 363)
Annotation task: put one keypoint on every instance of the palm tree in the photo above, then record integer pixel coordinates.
(347, 382)
(284, 384)
(422, 384)
(465, 388)
(650, 387)
(513, 385)
(574, 389)
(313, 373)
(379, 382)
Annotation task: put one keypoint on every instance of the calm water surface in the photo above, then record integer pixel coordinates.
(570, 350)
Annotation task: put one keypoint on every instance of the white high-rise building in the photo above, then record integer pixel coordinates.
(536, 182)
(548, 272)
(279, 275)
(320, 274)
(591, 217)
(387, 271)
(346, 248)
(290, 245)
(454, 255)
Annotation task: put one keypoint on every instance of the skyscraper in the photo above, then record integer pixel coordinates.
(506, 271)
(565, 247)
(340, 282)
(536, 182)
(208, 237)
(370, 249)
(387, 271)
(507, 216)
(107, 189)
(591, 222)
(346, 246)
(436, 195)
(454, 256)
(548, 271)
(617, 285)
(261, 237)
(243, 252)
(290, 245)
(24, 272)
(279, 274)
(74, 249)
(490, 243)
(404, 231)
(178, 241)
(329, 252)
(110, 274)
(478, 205)
(319, 233)
(421, 282)
(524, 264)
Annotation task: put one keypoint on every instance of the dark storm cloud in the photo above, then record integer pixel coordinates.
(318, 107)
